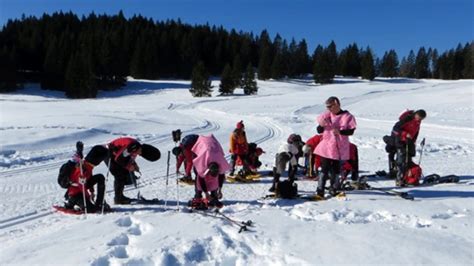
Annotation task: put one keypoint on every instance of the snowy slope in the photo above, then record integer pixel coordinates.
(38, 131)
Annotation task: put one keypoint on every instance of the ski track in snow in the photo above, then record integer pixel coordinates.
(158, 235)
(271, 131)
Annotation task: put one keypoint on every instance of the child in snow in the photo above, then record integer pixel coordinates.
(402, 142)
(253, 157)
(184, 155)
(210, 166)
(81, 181)
(123, 152)
(337, 125)
(238, 147)
(286, 155)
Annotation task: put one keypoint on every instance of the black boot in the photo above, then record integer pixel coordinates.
(119, 197)
(276, 179)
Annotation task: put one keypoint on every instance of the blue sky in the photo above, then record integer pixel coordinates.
(383, 24)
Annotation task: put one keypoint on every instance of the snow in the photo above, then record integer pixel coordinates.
(38, 131)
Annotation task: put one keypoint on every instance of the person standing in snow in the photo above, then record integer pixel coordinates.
(402, 142)
(238, 147)
(337, 125)
(123, 152)
(287, 153)
(210, 166)
(314, 162)
(185, 155)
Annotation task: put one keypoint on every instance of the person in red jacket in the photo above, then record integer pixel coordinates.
(83, 181)
(312, 162)
(184, 155)
(123, 152)
(402, 142)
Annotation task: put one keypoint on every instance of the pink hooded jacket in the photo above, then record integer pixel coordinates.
(332, 146)
(208, 150)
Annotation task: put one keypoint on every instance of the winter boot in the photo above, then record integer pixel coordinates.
(214, 202)
(320, 193)
(276, 179)
(399, 182)
(119, 197)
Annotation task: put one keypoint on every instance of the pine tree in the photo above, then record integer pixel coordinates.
(249, 82)
(278, 66)
(389, 64)
(80, 81)
(227, 85)
(332, 56)
(404, 68)
(322, 66)
(411, 68)
(367, 65)
(422, 64)
(350, 63)
(265, 54)
(458, 64)
(434, 64)
(237, 72)
(468, 72)
(9, 80)
(200, 83)
(53, 68)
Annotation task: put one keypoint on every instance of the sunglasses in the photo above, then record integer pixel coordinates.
(329, 106)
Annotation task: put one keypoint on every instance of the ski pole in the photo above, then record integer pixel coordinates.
(82, 180)
(422, 144)
(105, 185)
(167, 177)
(340, 178)
(177, 191)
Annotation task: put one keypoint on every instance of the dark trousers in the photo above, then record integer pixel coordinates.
(233, 160)
(122, 177)
(330, 169)
(98, 179)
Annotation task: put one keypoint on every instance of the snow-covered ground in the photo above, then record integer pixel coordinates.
(38, 131)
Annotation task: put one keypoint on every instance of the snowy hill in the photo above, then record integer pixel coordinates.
(39, 129)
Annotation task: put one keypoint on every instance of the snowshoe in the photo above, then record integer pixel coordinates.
(63, 209)
(186, 181)
(198, 204)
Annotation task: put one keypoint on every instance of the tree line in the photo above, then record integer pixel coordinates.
(81, 55)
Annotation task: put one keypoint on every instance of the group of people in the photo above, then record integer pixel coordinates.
(328, 154)
(119, 155)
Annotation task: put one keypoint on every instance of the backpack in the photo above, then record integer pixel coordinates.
(64, 174)
(287, 189)
(413, 175)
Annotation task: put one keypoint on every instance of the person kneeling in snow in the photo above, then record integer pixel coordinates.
(81, 181)
(253, 157)
(210, 166)
(286, 154)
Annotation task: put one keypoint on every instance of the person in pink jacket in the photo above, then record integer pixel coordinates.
(210, 166)
(336, 126)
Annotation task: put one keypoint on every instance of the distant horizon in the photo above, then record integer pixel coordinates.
(408, 25)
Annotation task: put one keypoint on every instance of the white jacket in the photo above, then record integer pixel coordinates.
(291, 149)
